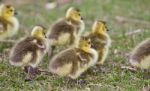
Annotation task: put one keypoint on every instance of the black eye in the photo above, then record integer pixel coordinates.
(79, 14)
(44, 33)
(11, 10)
(89, 42)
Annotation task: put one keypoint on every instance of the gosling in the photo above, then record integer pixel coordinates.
(140, 56)
(74, 61)
(67, 30)
(29, 51)
(100, 39)
(9, 24)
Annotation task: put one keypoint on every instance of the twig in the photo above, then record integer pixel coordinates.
(134, 32)
(123, 19)
(8, 41)
(44, 71)
(129, 68)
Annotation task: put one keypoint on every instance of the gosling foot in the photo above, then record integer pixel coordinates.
(31, 73)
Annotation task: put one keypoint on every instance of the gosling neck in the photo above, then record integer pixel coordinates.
(99, 32)
(73, 21)
(85, 49)
(7, 20)
(39, 38)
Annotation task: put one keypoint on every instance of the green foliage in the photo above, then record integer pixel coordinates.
(112, 77)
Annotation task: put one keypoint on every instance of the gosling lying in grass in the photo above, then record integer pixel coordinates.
(140, 56)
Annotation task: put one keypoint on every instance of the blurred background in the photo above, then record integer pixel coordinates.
(128, 20)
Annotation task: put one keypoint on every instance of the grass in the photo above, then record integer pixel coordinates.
(111, 77)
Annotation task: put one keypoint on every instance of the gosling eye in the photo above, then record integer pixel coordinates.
(11, 10)
(89, 42)
(79, 14)
(45, 35)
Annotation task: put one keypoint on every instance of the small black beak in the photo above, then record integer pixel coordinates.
(15, 13)
(92, 45)
(108, 30)
(81, 18)
(45, 36)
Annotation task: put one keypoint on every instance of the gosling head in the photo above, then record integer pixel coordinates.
(38, 32)
(85, 43)
(7, 11)
(74, 14)
(99, 27)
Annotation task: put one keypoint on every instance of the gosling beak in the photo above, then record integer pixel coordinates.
(15, 13)
(81, 18)
(92, 45)
(45, 36)
(108, 30)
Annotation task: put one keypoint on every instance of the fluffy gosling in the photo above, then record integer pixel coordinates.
(28, 52)
(73, 61)
(67, 30)
(140, 56)
(100, 39)
(9, 24)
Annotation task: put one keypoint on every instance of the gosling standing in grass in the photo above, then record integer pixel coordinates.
(67, 30)
(73, 61)
(140, 56)
(9, 24)
(28, 53)
(100, 40)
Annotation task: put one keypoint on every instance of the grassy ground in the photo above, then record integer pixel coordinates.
(111, 77)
